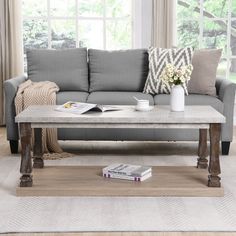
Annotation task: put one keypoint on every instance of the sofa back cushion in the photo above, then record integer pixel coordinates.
(67, 68)
(124, 70)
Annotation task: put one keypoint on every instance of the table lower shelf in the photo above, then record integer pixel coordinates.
(185, 181)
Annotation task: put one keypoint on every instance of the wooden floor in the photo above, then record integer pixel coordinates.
(4, 150)
(184, 181)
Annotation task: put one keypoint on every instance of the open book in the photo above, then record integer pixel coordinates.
(80, 107)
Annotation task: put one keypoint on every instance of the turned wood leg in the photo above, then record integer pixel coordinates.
(214, 165)
(202, 162)
(26, 163)
(38, 149)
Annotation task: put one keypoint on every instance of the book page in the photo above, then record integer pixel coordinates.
(76, 107)
(104, 108)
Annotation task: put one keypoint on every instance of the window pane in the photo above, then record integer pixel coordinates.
(34, 7)
(119, 34)
(233, 38)
(63, 8)
(234, 9)
(215, 35)
(218, 8)
(63, 34)
(188, 10)
(91, 33)
(232, 75)
(222, 68)
(118, 8)
(91, 8)
(188, 33)
(35, 34)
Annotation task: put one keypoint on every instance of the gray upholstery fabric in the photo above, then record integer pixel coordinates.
(226, 92)
(140, 134)
(159, 58)
(63, 97)
(67, 68)
(111, 98)
(118, 70)
(192, 99)
(10, 88)
(128, 134)
(203, 77)
(118, 98)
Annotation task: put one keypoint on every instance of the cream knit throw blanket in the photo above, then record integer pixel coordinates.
(40, 93)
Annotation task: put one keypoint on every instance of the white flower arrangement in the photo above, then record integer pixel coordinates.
(172, 75)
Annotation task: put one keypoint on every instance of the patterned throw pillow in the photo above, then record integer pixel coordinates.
(158, 59)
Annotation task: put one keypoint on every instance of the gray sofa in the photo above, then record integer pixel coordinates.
(113, 78)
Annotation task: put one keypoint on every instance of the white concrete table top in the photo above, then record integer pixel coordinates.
(126, 117)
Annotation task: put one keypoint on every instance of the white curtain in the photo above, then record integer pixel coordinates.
(163, 23)
(11, 45)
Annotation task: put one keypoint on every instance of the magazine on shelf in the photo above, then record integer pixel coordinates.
(127, 170)
(128, 177)
(80, 107)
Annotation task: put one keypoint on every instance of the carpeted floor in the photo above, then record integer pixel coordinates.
(59, 214)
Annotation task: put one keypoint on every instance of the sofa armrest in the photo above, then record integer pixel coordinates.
(225, 89)
(10, 88)
(226, 93)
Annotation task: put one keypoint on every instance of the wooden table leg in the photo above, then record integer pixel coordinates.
(202, 149)
(38, 149)
(214, 165)
(26, 179)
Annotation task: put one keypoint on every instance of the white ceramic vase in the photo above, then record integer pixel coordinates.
(177, 98)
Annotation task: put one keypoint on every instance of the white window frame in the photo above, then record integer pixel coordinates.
(77, 18)
(229, 20)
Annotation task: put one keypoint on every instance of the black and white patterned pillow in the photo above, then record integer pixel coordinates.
(158, 59)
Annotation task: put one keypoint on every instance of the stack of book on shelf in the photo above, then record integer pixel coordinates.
(127, 172)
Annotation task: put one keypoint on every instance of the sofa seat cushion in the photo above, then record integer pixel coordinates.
(63, 97)
(68, 68)
(118, 98)
(192, 99)
(124, 70)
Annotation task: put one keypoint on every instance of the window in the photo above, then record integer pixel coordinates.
(210, 24)
(58, 24)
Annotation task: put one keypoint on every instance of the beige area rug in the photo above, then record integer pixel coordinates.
(78, 214)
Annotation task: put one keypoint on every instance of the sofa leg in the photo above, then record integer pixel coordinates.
(225, 148)
(14, 146)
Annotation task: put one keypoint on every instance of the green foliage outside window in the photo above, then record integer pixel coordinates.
(118, 33)
(214, 19)
(64, 21)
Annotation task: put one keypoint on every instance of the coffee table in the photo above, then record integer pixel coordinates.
(203, 118)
